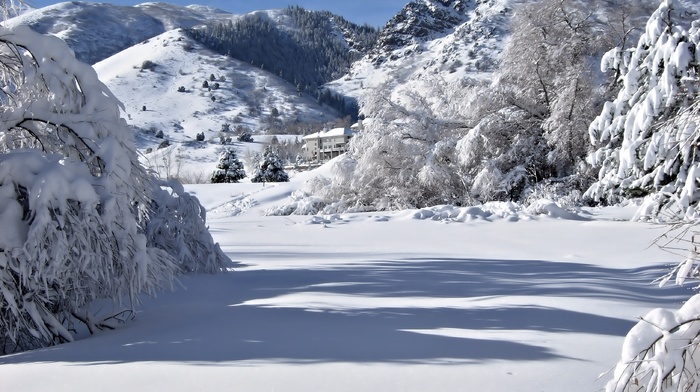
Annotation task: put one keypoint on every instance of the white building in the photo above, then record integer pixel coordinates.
(324, 145)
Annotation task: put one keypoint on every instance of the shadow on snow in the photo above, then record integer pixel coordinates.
(216, 319)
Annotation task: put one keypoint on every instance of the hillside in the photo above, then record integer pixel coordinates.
(119, 27)
(145, 57)
(306, 48)
(462, 41)
(457, 40)
(151, 74)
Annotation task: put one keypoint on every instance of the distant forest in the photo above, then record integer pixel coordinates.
(317, 48)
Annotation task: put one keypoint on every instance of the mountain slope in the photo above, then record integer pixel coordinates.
(420, 21)
(166, 75)
(452, 38)
(96, 31)
(306, 48)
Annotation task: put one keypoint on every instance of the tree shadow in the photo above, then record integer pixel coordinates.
(242, 316)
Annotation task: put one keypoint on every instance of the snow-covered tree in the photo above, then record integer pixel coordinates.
(433, 142)
(270, 168)
(645, 144)
(229, 168)
(428, 141)
(546, 74)
(82, 220)
(531, 121)
(660, 353)
(648, 143)
(405, 155)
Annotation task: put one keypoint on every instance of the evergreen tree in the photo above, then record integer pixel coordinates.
(270, 168)
(635, 155)
(229, 169)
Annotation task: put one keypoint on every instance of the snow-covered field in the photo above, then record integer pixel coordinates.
(439, 300)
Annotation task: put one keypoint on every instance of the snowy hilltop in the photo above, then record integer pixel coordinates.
(119, 27)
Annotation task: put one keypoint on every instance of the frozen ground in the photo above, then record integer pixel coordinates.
(408, 301)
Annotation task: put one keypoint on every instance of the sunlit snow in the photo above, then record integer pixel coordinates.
(378, 302)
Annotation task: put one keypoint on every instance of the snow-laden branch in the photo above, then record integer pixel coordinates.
(82, 220)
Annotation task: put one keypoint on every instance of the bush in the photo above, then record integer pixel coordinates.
(245, 137)
(148, 65)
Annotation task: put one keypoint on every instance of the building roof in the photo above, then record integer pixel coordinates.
(331, 133)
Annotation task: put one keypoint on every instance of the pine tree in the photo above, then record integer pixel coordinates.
(659, 78)
(270, 168)
(229, 169)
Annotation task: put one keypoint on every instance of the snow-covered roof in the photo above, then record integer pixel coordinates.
(331, 133)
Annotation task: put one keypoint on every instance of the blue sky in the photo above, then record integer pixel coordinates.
(373, 12)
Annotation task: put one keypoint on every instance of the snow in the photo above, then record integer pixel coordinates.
(375, 302)
(468, 52)
(330, 133)
(181, 62)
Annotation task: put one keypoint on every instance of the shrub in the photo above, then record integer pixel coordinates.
(245, 137)
(148, 65)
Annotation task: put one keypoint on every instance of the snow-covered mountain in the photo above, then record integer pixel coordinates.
(459, 40)
(420, 21)
(454, 38)
(166, 86)
(143, 56)
(96, 31)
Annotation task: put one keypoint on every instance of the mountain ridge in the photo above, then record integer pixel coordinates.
(119, 27)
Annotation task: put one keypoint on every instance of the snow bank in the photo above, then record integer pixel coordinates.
(508, 211)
